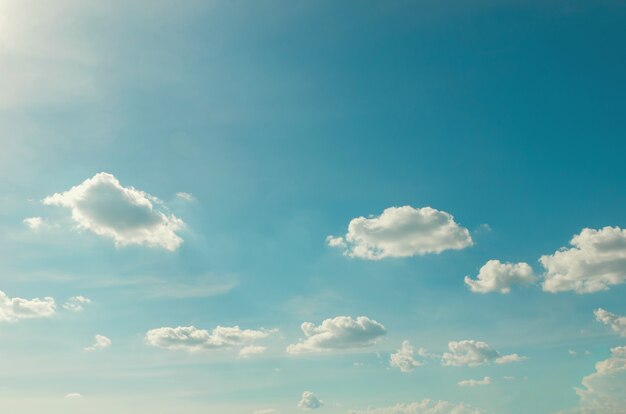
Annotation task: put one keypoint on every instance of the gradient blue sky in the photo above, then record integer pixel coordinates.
(285, 120)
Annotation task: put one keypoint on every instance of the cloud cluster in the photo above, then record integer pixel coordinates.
(496, 276)
(76, 303)
(14, 309)
(309, 401)
(341, 332)
(596, 261)
(474, 383)
(473, 353)
(423, 407)
(101, 342)
(616, 322)
(127, 215)
(603, 390)
(404, 358)
(402, 232)
(192, 339)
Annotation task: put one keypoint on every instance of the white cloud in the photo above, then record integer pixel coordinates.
(424, 407)
(603, 390)
(496, 276)
(101, 342)
(251, 350)
(266, 411)
(14, 309)
(341, 332)
(34, 223)
(73, 396)
(404, 358)
(192, 339)
(76, 303)
(127, 215)
(596, 261)
(474, 383)
(616, 322)
(473, 353)
(185, 196)
(402, 232)
(309, 401)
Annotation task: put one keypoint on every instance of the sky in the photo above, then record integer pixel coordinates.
(358, 207)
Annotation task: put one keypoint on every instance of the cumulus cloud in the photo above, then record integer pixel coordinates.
(404, 358)
(14, 309)
(101, 342)
(423, 407)
(473, 353)
(34, 223)
(596, 261)
(127, 215)
(496, 276)
(73, 396)
(341, 332)
(402, 232)
(474, 383)
(603, 390)
(309, 401)
(616, 322)
(251, 350)
(192, 339)
(76, 303)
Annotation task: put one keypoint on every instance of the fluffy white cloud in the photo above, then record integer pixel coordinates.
(34, 223)
(125, 214)
(14, 309)
(73, 396)
(101, 342)
(424, 407)
(616, 322)
(76, 303)
(404, 358)
(474, 383)
(251, 350)
(310, 401)
(596, 261)
(603, 390)
(473, 353)
(341, 332)
(496, 276)
(402, 232)
(192, 339)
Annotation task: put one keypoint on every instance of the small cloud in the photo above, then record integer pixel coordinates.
(616, 322)
(426, 406)
(310, 401)
(341, 332)
(34, 223)
(473, 353)
(14, 309)
(101, 342)
(192, 339)
(76, 303)
(73, 396)
(496, 276)
(404, 358)
(571, 352)
(402, 232)
(185, 196)
(266, 411)
(251, 350)
(475, 383)
(126, 215)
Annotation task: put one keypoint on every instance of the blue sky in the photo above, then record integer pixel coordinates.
(427, 138)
